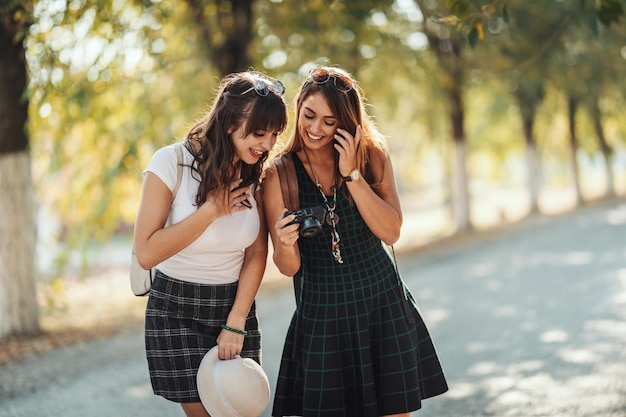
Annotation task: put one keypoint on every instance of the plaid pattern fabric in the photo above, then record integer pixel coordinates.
(182, 324)
(357, 345)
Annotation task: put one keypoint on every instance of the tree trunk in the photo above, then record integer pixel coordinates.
(607, 151)
(532, 163)
(572, 106)
(226, 37)
(449, 56)
(529, 94)
(460, 195)
(233, 54)
(18, 297)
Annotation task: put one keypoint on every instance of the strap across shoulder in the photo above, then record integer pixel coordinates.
(288, 180)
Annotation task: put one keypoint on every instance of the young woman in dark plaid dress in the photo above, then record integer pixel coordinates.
(357, 345)
(210, 242)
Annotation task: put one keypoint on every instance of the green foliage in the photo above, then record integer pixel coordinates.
(17, 15)
(609, 11)
(468, 16)
(464, 14)
(473, 36)
(113, 81)
(459, 7)
(293, 34)
(105, 94)
(9, 5)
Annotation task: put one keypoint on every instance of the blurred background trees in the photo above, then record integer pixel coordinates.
(474, 96)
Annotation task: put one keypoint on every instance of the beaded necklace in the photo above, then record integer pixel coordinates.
(331, 217)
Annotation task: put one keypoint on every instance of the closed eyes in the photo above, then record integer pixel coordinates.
(326, 121)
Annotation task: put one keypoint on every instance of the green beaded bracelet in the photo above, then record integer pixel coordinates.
(230, 329)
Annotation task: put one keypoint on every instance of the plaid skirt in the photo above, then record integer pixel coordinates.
(182, 324)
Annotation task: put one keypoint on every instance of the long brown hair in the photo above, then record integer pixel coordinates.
(237, 102)
(349, 109)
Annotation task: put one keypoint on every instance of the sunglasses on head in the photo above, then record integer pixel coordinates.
(262, 87)
(322, 76)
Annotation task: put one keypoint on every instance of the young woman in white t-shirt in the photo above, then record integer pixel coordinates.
(210, 243)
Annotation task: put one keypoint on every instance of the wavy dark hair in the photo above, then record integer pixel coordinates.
(236, 103)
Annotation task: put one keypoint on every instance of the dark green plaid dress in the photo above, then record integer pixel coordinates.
(356, 346)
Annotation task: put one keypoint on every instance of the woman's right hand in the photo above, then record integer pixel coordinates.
(286, 253)
(228, 203)
(287, 234)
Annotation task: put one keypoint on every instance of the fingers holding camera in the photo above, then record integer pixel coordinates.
(286, 229)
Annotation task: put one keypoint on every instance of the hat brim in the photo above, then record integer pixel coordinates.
(210, 394)
(206, 386)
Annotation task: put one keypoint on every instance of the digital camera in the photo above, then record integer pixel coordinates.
(310, 220)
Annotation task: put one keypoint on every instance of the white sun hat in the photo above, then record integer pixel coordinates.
(232, 388)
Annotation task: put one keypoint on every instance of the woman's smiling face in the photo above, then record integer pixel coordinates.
(316, 122)
(251, 148)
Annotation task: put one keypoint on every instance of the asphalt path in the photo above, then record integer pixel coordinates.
(529, 321)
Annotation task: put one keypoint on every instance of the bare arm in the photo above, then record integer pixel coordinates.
(255, 259)
(153, 241)
(380, 209)
(382, 212)
(284, 238)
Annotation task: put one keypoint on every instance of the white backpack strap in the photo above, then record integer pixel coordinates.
(179, 168)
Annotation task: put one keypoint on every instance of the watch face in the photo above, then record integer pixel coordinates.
(354, 176)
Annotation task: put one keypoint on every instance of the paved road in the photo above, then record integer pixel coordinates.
(531, 322)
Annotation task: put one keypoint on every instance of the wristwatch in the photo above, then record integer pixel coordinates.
(354, 176)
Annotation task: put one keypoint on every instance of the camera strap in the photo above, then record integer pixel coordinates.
(288, 181)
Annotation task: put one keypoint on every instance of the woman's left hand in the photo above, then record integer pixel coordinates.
(347, 146)
(229, 344)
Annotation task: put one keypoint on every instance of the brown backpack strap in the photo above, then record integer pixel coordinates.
(288, 181)
(289, 188)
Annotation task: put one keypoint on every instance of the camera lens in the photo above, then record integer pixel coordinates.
(310, 226)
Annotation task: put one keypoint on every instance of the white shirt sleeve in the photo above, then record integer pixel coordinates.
(163, 165)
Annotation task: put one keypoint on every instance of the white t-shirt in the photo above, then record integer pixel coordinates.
(216, 256)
